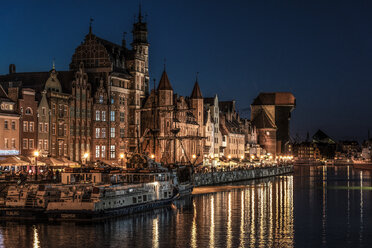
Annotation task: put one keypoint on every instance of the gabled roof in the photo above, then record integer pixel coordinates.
(321, 137)
(164, 83)
(196, 93)
(262, 120)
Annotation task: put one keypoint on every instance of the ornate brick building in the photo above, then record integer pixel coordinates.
(172, 125)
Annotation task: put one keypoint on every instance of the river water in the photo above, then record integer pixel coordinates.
(313, 207)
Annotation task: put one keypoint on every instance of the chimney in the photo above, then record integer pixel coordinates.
(12, 68)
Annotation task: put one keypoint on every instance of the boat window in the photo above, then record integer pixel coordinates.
(165, 194)
(145, 198)
(134, 200)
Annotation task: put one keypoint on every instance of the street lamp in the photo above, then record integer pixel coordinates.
(122, 159)
(85, 156)
(152, 156)
(36, 154)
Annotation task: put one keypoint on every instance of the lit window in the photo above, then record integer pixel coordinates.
(45, 144)
(112, 116)
(25, 126)
(30, 144)
(25, 144)
(112, 151)
(31, 126)
(112, 133)
(40, 127)
(13, 125)
(103, 115)
(103, 133)
(97, 151)
(100, 99)
(103, 151)
(6, 124)
(98, 132)
(97, 115)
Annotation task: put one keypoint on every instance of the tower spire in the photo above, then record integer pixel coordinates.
(139, 14)
(54, 64)
(90, 25)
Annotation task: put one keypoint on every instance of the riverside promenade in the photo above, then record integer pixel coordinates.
(220, 177)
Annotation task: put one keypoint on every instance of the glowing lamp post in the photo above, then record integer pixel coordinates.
(122, 159)
(85, 156)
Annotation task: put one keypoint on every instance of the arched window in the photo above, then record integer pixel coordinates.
(28, 111)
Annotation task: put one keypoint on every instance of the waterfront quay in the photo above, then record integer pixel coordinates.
(235, 175)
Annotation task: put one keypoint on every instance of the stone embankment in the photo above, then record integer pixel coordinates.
(219, 177)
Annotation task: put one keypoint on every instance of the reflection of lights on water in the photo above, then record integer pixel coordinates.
(211, 232)
(242, 232)
(36, 243)
(361, 206)
(193, 229)
(229, 236)
(155, 232)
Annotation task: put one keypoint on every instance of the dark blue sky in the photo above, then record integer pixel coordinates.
(321, 51)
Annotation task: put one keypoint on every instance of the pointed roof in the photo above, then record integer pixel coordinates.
(196, 92)
(262, 120)
(164, 83)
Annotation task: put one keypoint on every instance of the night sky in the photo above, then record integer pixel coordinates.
(321, 51)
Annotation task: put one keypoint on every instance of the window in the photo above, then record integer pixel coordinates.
(97, 151)
(112, 116)
(46, 127)
(103, 133)
(25, 144)
(54, 129)
(121, 132)
(40, 146)
(65, 111)
(13, 143)
(100, 99)
(97, 115)
(121, 116)
(112, 151)
(53, 109)
(103, 151)
(40, 127)
(97, 132)
(46, 145)
(6, 124)
(31, 126)
(103, 115)
(30, 144)
(6, 143)
(64, 129)
(28, 111)
(43, 111)
(13, 125)
(112, 100)
(25, 126)
(112, 133)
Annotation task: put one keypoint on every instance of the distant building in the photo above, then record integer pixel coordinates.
(26, 105)
(213, 143)
(9, 126)
(271, 113)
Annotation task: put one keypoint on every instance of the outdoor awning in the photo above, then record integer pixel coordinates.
(14, 161)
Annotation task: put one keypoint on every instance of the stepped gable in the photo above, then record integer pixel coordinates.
(196, 93)
(262, 120)
(164, 83)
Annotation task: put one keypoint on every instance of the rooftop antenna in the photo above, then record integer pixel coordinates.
(54, 64)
